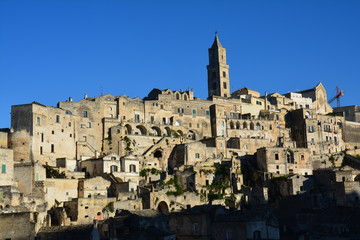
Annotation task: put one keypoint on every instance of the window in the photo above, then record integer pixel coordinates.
(276, 156)
(225, 95)
(311, 129)
(180, 110)
(52, 148)
(88, 124)
(197, 155)
(3, 168)
(152, 118)
(195, 228)
(194, 113)
(257, 235)
(42, 137)
(229, 235)
(258, 102)
(224, 74)
(111, 116)
(290, 157)
(57, 118)
(41, 150)
(85, 114)
(69, 124)
(38, 121)
(312, 141)
(327, 128)
(302, 157)
(52, 132)
(132, 168)
(113, 168)
(207, 113)
(137, 117)
(277, 166)
(224, 85)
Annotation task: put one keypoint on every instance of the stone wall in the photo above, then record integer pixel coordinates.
(351, 133)
(17, 226)
(6, 166)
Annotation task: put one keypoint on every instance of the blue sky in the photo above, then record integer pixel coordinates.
(54, 49)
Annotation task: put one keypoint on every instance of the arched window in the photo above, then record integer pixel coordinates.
(290, 157)
(231, 125)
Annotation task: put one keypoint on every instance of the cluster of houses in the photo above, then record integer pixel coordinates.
(172, 166)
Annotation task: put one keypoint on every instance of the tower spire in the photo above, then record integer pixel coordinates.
(218, 71)
(216, 43)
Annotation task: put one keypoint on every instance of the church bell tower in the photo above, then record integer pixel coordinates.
(218, 71)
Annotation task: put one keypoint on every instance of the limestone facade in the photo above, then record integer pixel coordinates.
(283, 161)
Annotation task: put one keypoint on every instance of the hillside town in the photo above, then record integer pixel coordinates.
(237, 165)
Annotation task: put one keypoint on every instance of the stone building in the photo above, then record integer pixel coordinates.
(351, 113)
(99, 166)
(27, 175)
(339, 186)
(282, 161)
(171, 150)
(42, 133)
(7, 166)
(321, 134)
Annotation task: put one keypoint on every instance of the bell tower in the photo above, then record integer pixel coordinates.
(218, 71)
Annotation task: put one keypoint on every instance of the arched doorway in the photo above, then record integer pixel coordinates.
(128, 129)
(142, 129)
(163, 208)
(156, 131)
